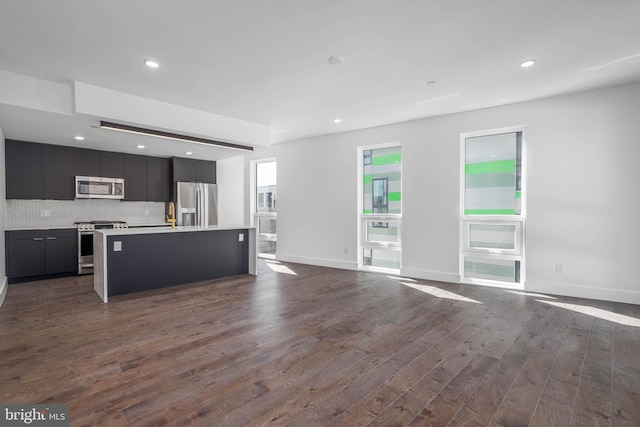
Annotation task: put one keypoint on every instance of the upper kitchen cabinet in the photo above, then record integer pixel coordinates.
(98, 163)
(158, 179)
(205, 171)
(59, 179)
(135, 177)
(87, 162)
(192, 170)
(24, 170)
(111, 165)
(184, 170)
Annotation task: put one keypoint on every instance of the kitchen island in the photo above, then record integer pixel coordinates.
(139, 259)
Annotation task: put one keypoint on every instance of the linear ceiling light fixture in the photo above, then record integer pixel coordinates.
(175, 136)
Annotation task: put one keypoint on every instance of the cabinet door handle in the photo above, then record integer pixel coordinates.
(37, 238)
(50, 238)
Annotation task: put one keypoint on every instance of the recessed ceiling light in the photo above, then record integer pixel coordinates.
(151, 64)
(337, 120)
(335, 60)
(528, 63)
(79, 138)
(140, 146)
(188, 153)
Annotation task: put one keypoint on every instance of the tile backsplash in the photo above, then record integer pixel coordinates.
(62, 213)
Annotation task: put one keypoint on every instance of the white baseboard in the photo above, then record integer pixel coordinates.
(348, 265)
(437, 276)
(321, 262)
(568, 290)
(3, 290)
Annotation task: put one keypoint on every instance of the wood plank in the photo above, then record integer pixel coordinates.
(593, 405)
(556, 403)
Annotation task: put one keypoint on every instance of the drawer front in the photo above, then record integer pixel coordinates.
(40, 234)
(62, 232)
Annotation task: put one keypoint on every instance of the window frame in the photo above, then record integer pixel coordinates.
(518, 254)
(256, 216)
(363, 242)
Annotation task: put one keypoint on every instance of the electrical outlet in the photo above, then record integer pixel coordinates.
(117, 246)
(146, 212)
(346, 251)
(559, 268)
(240, 237)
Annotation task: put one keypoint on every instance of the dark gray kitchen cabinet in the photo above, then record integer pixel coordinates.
(87, 162)
(135, 177)
(184, 170)
(98, 163)
(205, 171)
(25, 257)
(158, 179)
(61, 252)
(41, 252)
(24, 170)
(193, 170)
(111, 165)
(59, 179)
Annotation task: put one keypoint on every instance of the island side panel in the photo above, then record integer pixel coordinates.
(253, 252)
(99, 266)
(150, 261)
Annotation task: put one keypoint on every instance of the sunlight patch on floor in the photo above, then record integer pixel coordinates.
(406, 279)
(279, 268)
(439, 293)
(597, 312)
(531, 294)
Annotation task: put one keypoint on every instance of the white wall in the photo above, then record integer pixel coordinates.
(582, 150)
(3, 219)
(231, 188)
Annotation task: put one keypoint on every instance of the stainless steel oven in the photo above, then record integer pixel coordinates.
(85, 241)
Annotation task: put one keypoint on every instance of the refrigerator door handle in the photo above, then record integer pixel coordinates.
(204, 215)
(198, 206)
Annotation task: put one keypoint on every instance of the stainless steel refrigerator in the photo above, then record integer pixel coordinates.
(197, 204)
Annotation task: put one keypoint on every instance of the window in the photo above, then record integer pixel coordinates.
(265, 213)
(380, 208)
(492, 220)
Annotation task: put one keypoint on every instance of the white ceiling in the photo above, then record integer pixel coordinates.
(266, 61)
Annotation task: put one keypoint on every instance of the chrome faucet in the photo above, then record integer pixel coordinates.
(172, 215)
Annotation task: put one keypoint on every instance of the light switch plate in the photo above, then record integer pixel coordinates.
(117, 246)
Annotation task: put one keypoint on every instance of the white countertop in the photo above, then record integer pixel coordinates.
(178, 229)
(60, 227)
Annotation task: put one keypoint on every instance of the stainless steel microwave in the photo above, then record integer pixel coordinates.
(92, 187)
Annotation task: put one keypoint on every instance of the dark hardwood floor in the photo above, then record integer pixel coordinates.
(321, 347)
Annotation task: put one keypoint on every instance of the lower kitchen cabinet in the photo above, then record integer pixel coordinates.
(41, 252)
(61, 254)
(25, 257)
